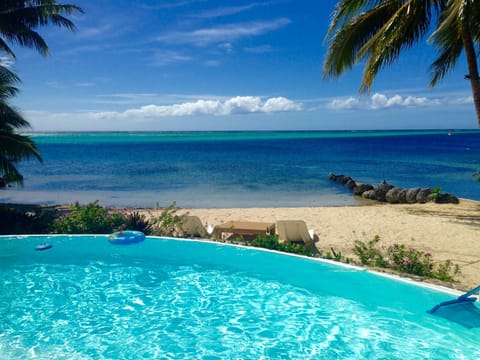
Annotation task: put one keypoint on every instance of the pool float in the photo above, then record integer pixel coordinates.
(126, 237)
(44, 246)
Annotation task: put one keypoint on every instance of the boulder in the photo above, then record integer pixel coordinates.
(369, 194)
(386, 192)
(382, 190)
(411, 196)
(360, 188)
(350, 184)
(396, 196)
(447, 198)
(423, 195)
(346, 179)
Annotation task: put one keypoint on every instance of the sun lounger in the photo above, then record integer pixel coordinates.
(191, 226)
(246, 229)
(294, 231)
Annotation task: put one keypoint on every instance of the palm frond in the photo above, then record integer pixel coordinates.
(406, 25)
(343, 51)
(346, 10)
(17, 147)
(19, 19)
(447, 39)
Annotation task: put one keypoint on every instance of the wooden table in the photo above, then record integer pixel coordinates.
(243, 228)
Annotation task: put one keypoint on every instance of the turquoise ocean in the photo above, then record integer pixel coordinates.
(241, 169)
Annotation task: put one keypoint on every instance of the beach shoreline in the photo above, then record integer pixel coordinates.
(447, 231)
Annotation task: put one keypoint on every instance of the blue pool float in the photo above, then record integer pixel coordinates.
(44, 246)
(126, 237)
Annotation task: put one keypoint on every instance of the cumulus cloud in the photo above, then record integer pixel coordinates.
(381, 101)
(232, 106)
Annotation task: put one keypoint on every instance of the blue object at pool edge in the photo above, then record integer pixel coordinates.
(126, 237)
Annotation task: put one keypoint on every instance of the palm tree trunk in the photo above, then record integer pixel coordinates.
(473, 70)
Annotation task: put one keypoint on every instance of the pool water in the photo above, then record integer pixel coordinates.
(164, 298)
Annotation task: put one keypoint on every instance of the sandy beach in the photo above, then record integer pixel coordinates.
(447, 231)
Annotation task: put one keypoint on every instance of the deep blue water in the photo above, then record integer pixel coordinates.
(242, 169)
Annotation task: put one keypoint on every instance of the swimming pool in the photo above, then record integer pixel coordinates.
(167, 298)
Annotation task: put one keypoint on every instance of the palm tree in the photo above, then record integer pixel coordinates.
(13, 147)
(376, 31)
(18, 21)
(20, 18)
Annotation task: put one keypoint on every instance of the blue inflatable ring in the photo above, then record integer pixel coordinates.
(126, 237)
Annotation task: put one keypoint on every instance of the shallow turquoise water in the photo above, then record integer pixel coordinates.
(169, 299)
(241, 169)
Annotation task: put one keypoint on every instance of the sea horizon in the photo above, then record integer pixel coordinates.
(213, 169)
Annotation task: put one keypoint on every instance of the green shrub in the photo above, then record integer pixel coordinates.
(369, 254)
(15, 221)
(410, 261)
(403, 260)
(89, 219)
(446, 271)
(138, 222)
(435, 194)
(167, 223)
(271, 242)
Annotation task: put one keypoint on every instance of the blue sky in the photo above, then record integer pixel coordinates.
(221, 65)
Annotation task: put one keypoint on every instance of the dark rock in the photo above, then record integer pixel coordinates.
(411, 195)
(386, 192)
(369, 194)
(339, 178)
(346, 179)
(350, 184)
(423, 195)
(359, 189)
(447, 198)
(381, 192)
(396, 196)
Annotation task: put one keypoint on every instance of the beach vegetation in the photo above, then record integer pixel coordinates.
(368, 253)
(271, 242)
(374, 34)
(19, 21)
(336, 255)
(14, 221)
(404, 260)
(89, 219)
(167, 223)
(138, 222)
(435, 194)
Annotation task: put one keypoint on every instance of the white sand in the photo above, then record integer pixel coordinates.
(448, 232)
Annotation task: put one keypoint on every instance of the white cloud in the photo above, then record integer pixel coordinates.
(169, 57)
(343, 104)
(225, 33)
(6, 61)
(235, 105)
(225, 11)
(380, 101)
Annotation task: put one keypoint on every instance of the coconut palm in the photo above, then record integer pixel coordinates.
(13, 147)
(376, 31)
(18, 21)
(20, 18)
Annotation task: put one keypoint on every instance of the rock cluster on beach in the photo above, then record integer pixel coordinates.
(391, 194)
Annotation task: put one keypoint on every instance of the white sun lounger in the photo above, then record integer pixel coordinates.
(294, 231)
